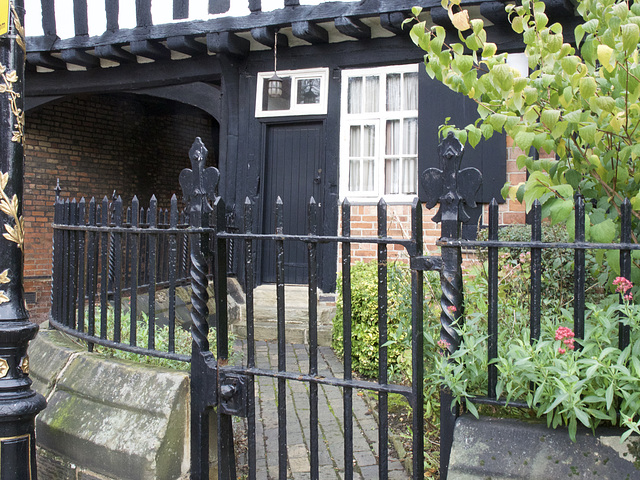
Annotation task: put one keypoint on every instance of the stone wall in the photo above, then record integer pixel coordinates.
(95, 144)
(109, 419)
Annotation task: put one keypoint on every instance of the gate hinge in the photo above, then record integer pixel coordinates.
(232, 394)
(433, 262)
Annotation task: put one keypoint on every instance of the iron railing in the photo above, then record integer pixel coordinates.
(105, 257)
(81, 280)
(535, 246)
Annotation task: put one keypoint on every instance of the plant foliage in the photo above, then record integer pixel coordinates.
(579, 102)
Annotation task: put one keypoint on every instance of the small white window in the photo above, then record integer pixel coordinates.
(379, 133)
(301, 92)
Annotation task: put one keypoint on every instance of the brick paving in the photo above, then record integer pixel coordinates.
(330, 421)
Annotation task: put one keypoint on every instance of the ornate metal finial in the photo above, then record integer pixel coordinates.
(452, 187)
(199, 183)
(58, 189)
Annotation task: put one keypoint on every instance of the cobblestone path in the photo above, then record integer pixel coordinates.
(330, 421)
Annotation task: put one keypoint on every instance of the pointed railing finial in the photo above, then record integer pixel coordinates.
(199, 183)
(451, 187)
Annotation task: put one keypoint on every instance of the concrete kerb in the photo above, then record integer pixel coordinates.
(106, 417)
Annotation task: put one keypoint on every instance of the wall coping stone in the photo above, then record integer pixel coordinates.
(501, 449)
(107, 416)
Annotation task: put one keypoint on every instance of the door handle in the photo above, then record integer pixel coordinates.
(318, 178)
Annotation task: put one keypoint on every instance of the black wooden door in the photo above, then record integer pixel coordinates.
(293, 172)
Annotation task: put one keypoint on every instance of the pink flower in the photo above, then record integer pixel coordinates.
(564, 332)
(622, 284)
(628, 297)
(566, 335)
(443, 344)
(452, 308)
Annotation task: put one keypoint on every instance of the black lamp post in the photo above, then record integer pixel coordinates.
(18, 403)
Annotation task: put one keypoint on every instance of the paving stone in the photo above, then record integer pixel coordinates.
(329, 423)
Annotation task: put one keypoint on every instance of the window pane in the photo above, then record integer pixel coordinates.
(354, 141)
(410, 134)
(308, 91)
(391, 184)
(411, 91)
(355, 95)
(369, 141)
(281, 102)
(372, 94)
(354, 175)
(409, 175)
(393, 92)
(368, 171)
(392, 144)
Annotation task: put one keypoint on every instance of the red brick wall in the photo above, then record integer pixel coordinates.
(95, 144)
(364, 218)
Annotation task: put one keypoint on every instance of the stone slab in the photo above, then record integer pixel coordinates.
(107, 417)
(501, 449)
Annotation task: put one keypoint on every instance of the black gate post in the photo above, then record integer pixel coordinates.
(19, 405)
(198, 186)
(452, 188)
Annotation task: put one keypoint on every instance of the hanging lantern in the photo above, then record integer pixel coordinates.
(274, 87)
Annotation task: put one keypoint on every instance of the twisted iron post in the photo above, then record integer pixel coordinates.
(453, 189)
(198, 187)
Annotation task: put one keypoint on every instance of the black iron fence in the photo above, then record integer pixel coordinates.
(81, 280)
(106, 259)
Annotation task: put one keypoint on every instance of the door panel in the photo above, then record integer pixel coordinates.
(293, 172)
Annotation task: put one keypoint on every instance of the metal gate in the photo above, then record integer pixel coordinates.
(117, 255)
(231, 388)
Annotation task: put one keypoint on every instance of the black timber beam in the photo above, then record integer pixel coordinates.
(219, 6)
(80, 19)
(150, 49)
(115, 53)
(324, 12)
(228, 43)
(180, 9)
(125, 77)
(207, 98)
(186, 45)
(393, 21)
(267, 35)
(48, 18)
(80, 57)
(352, 27)
(440, 16)
(310, 32)
(494, 12)
(112, 10)
(559, 9)
(46, 60)
(143, 13)
(255, 5)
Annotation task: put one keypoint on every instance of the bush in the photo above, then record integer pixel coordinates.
(364, 318)
(557, 265)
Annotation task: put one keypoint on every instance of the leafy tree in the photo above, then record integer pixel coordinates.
(580, 102)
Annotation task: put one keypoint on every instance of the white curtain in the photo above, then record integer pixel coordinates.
(393, 92)
(372, 94)
(411, 91)
(354, 100)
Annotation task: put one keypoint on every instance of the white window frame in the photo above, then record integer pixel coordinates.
(379, 119)
(295, 109)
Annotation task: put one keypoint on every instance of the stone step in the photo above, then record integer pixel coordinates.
(296, 313)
